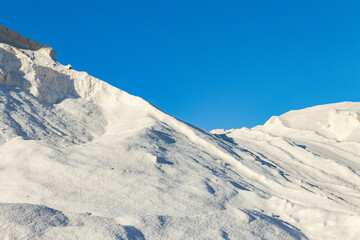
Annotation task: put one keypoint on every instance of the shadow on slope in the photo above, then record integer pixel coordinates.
(28, 221)
(73, 121)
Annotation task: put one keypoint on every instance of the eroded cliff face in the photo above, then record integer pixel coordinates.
(32, 67)
(13, 38)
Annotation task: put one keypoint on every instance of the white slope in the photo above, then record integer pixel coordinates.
(80, 159)
(316, 149)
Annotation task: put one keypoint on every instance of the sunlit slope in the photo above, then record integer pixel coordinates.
(317, 150)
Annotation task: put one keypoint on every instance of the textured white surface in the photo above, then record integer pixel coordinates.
(80, 159)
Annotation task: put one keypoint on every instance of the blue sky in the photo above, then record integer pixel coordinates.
(215, 64)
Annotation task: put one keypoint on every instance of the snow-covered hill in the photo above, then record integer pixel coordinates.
(80, 159)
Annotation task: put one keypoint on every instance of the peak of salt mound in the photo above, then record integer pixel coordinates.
(13, 38)
(340, 121)
(32, 67)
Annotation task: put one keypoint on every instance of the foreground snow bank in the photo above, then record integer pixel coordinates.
(27, 221)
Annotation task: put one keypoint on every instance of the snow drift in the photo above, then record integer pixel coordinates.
(80, 159)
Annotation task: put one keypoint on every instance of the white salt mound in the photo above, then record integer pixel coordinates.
(80, 159)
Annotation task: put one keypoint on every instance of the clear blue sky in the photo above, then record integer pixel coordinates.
(214, 64)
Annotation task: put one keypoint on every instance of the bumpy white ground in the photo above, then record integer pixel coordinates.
(80, 159)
